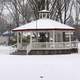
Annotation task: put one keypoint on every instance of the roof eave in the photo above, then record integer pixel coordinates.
(43, 30)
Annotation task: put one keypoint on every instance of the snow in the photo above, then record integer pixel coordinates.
(49, 67)
(6, 50)
(58, 67)
(43, 24)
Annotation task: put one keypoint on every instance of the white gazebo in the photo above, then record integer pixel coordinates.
(46, 34)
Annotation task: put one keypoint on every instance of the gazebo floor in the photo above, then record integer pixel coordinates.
(45, 52)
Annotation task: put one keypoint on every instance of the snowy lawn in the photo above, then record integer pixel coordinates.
(56, 67)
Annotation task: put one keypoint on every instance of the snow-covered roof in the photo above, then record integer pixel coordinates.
(43, 24)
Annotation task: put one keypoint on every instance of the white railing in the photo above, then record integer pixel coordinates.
(56, 45)
(28, 48)
(74, 44)
(49, 45)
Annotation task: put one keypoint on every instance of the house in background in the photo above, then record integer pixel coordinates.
(46, 36)
(4, 40)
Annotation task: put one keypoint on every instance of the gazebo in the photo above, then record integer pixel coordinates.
(46, 36)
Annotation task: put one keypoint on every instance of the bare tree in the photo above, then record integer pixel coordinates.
(59, 8)
(19, 11)
(77, 10)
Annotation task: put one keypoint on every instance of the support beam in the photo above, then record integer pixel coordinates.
(70, 39)
(37, 36)
(17, 40)
(31, 38)
(46, 15)
(53, 36)
(61, 36)
(53, 39)
(21, 34)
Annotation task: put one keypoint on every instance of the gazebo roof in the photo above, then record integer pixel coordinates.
(43, 24)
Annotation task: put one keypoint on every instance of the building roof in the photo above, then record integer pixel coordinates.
(43, 24)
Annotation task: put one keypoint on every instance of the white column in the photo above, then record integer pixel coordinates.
(31, 39)
(53, 36)
(45, 15)
(21, 39)
(70, 38)
(37, 36)
(61, 36)
(17, 40)
(54, 39)
(40, 15)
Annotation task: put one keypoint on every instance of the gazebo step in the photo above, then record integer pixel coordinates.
(52, 52)
(45, 52)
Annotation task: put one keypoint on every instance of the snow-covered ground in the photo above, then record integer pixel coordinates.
(57, 67)
(6, 50)
(49, 67)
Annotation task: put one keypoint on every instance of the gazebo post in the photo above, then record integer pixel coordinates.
(46, 16)
(17, 40)
(37, 37)
(53, 38)
(21, 39)
(70, 38)
(31, 38)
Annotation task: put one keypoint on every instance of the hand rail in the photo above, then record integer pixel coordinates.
(54, 45)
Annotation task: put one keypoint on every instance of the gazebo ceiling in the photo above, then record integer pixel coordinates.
(43, 24)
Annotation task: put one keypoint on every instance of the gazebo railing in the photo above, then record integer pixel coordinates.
(49, 45)
(52, 45)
